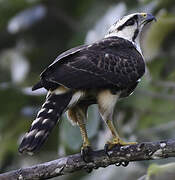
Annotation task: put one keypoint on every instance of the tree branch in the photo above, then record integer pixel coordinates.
(120, 155)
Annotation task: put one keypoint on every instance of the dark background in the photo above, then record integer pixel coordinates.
(34, 32)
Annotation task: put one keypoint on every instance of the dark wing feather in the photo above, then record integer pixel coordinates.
(67, 53)
(111, 62)
(61, 57)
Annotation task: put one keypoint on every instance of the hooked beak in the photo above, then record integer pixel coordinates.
(149, 18)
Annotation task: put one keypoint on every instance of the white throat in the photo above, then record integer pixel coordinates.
(128, 36)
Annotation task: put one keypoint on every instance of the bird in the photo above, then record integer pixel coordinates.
(99, 73)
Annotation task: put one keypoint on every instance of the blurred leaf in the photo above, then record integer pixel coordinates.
(156, 67)
(15, 64)
(9, 138)
(93, 121)
(9, 8)
(161, 172)
(70, 135)
(157, 33)
(165, 4)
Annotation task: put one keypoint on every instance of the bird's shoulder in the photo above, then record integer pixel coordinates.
(106, 45)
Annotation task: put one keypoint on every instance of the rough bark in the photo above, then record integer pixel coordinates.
(120, 155)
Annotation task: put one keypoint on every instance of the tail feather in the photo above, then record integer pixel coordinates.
(46, 119)
(37, 86)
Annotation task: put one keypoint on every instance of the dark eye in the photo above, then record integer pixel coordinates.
(130, 22)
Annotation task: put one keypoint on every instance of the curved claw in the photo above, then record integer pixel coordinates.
(106, 149)
(85, 154)
(118, 164)
(109, 147)
(125, 163)
(116, 143)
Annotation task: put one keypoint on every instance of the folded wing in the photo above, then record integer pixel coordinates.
(110, 62)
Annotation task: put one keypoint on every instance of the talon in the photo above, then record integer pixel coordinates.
(125, 163)
(109, 147)
(85, 154)
(106, 149)
(123, 143)
(118, 163)
(115, 142)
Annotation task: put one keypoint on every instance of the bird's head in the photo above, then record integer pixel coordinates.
(130, 26)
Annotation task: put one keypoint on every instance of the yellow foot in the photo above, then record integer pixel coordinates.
(122, 143)
(116, 142)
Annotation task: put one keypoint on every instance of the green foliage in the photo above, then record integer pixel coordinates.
(66, 25)
(9, 8)
(161, 172)
(155, 37)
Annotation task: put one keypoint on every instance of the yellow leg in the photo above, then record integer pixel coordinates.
(85, 149)
(106, 102)
(83, 132)
(116, 139)
(77, 114)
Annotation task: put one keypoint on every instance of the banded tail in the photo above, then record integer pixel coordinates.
(46, 119)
